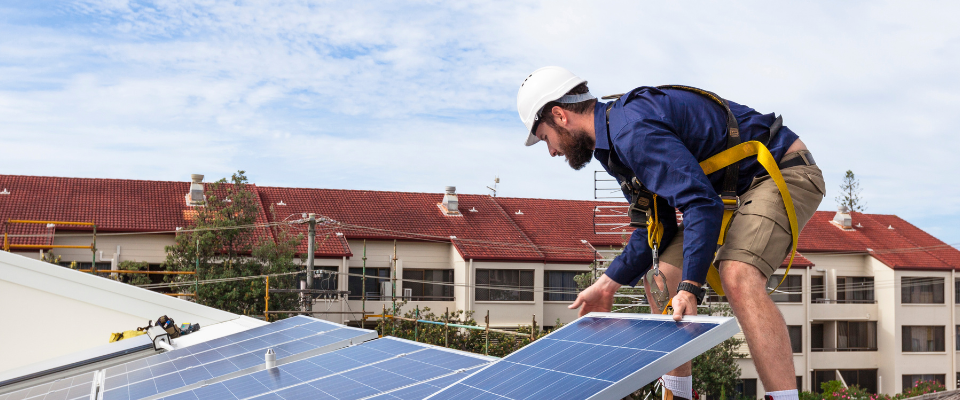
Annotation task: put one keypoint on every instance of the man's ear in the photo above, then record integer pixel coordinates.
(559, 116)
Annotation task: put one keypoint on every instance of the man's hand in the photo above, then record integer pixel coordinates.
(684, 303)
(597, 297)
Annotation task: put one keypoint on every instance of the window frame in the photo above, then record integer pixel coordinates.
(487, 292)
(912, 289)
(868, 290)
(569, 292)
(444, 286)
(939, 340)
(791, 282)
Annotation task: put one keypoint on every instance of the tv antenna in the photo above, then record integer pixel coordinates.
(496, 181)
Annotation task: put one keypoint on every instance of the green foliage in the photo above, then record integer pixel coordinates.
(850, 193)
(834, 390)
(221, 243)
(134, 279)
(471, 340)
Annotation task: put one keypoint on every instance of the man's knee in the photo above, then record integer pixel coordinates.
(741, 280)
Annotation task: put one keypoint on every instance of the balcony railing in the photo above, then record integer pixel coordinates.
(835, 349)
(831, 301)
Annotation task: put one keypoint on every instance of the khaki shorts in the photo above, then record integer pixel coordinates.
(759, 232)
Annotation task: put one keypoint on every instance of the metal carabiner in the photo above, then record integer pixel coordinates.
(659, 294)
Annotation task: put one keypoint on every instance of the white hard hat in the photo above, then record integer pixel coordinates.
(541, 87)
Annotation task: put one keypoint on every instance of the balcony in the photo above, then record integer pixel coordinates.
(844, 360)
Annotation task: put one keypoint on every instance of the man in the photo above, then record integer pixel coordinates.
(660, 135)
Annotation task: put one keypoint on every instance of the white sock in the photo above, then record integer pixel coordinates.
(784, 395)
(681, 386)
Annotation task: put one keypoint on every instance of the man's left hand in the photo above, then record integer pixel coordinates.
(684, 303)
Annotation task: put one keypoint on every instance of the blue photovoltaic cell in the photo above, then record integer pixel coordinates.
(426, 388)
(75, 387)
(178, 368)
(351, 373)
(578, 360)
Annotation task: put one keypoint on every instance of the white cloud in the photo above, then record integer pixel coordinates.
(418, 95)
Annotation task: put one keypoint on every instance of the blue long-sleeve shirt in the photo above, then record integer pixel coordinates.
(662, 135)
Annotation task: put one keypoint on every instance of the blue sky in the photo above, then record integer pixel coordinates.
(416, 96)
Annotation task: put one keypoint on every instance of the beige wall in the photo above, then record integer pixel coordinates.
(133, 247)
(55, 325)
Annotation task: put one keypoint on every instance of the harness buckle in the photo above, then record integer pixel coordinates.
(730, 203)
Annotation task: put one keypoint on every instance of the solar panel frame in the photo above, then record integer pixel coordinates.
(71, 388)
(368, 369)
(722, 328)
(158, 375)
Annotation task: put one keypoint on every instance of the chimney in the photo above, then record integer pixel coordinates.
(449, 204)
(843, 219)
(195, 197)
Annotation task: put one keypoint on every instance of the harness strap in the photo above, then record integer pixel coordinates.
(752, 148)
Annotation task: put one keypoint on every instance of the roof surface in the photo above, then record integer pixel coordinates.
(488, 228)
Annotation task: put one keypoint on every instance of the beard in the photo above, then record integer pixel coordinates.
(577, 146)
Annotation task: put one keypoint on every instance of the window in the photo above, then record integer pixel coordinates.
(921, 290)
(800, 382)
(747, 388)
(855, 289)
(796, 338)
(791, 291)
(956, 292)
(518, 282)
(816, 337)
(923, 338)
(910, 381)
(422, 291)
(375, 276)
(865, 378)
(958, 342)
(818, 377)
(817, 289)
(857, 336)
(560, 286)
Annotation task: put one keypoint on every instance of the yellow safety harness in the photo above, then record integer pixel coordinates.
(729, 159)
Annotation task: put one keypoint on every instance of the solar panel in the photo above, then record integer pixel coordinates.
(355, 372)
(600, 355)
(74, 387)
(229, 356)
(426, 388)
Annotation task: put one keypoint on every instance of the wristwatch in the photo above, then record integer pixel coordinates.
(689, 287)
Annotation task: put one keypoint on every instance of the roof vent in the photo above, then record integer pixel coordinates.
(449, 204)
(195, 197)
(473, 209)
(281, 203)
(519, 212)
(890, 227)
(5, 191)
(843, 219)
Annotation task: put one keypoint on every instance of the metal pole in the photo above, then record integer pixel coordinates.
(393, 292)
(486, 334)
(383, 320)
(446, 330)
(363, 277)
(533, 328)
(266, 300)
(6, 243)
(93, 248)
(416, 327)
(196, 281)
(312, 233)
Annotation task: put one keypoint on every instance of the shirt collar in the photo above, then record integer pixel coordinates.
(600, 126)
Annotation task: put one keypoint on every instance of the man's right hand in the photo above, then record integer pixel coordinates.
(597, 297)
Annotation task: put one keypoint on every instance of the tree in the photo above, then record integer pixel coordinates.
(222, 244)
(850, 193)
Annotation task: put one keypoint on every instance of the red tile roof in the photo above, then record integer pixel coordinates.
(888, 238)
(507, 229)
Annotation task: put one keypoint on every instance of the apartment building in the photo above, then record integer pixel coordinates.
(869, 299)
(877, 309)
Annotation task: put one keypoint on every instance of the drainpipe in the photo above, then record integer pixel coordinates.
(806, 331)
(343, 267)
(953, 324)
(469, 290)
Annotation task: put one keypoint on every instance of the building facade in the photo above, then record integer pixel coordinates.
(871, 300)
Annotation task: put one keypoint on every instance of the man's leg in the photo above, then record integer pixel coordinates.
(681, 385)
(762, 323)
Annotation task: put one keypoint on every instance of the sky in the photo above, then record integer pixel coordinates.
(416, 96)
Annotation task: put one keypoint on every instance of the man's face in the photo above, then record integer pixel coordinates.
(576, 146)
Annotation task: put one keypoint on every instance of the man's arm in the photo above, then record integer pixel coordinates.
(666, 167)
